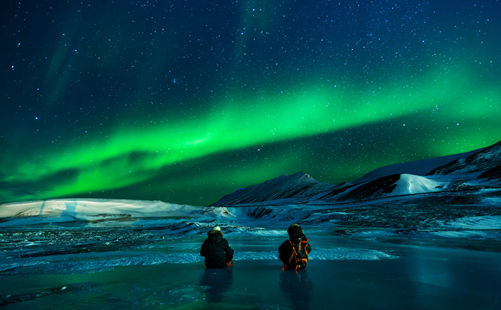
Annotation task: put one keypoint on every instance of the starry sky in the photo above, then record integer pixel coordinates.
(186, 101)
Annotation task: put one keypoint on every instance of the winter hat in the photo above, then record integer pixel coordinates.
(215, 230)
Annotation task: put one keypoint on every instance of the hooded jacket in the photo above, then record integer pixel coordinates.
(216, 250)
(292, 251)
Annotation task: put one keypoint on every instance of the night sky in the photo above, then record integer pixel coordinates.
(186, 101)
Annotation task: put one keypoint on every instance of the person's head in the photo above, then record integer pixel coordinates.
(216, 231)
(295, 232)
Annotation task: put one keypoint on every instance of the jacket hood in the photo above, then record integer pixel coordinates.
(215, 235)
(296, 233)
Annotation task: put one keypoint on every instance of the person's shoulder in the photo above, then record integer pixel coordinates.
(285, 243)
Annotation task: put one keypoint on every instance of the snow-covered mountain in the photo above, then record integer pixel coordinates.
(466, 171)
(470, 178)
(95, 208)
(481, 163)
(392, 185)
(93, 211)
(418, 167)
(299, 186)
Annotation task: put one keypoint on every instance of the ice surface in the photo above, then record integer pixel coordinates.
(492, 201)
(477, 222)
(77, 235)
(86, 262)
(337, 253)
(465, 234)
(146, 254)
(340, 253)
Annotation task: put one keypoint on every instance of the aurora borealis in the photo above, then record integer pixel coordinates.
(185, 101)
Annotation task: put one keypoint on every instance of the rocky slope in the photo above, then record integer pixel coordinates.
(469, 171)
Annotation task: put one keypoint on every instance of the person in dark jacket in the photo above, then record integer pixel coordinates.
(216, 250)
(294, 252)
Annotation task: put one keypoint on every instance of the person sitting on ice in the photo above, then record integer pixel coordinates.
(294, 252)
(216, 250)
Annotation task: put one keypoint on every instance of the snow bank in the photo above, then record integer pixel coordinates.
(414, 184)
(89, 209)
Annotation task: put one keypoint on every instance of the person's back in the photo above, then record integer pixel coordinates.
(216, 250)
(294, 252)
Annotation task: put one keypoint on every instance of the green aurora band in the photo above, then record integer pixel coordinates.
(129, 155)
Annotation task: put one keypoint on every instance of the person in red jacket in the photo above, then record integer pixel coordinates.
(294, 252)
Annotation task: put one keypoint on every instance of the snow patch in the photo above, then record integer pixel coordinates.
(414, 184)
(96, 209)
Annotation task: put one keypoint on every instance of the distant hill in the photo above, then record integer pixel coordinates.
(476, 169)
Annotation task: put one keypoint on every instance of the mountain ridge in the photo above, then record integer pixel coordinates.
(477, 168)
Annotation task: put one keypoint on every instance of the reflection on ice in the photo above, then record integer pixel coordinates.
(297, 287)
(216, 282)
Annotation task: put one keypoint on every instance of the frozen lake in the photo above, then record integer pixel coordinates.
(346, 274)
(67, 254)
